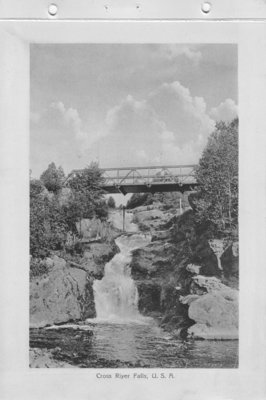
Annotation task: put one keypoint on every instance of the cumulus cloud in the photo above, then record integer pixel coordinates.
(226, 111)
(169, 126)
(183, 114)
(58, 134)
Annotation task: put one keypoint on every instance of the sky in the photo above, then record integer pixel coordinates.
(127, 104)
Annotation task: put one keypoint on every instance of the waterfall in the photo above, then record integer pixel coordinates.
(116, 295)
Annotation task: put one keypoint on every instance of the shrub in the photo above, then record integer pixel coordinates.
(111, 202)
(53, 178)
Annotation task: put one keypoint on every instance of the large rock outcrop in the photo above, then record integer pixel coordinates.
(58, 296)
(214, 308)
(62, 290)
(165, 271)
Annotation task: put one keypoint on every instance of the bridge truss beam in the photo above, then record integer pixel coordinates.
(169, 178)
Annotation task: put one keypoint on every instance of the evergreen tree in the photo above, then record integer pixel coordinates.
(217, 175)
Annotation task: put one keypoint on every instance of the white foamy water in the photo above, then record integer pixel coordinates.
(116, 295)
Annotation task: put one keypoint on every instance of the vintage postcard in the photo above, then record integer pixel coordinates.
(134, 215)
(134, 205)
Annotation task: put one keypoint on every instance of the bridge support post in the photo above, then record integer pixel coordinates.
(124, 216)
(180, 205)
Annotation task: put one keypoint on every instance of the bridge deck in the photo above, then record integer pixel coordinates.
(154, 188)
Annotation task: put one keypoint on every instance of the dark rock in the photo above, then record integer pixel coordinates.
(149, 297)
(160, 235)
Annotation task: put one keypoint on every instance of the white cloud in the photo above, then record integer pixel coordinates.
(58, 135)
(226, 111)
(183, 115)
(168, 126)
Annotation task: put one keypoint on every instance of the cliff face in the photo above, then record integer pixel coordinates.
(57, 296)
(165, 272)
(64, 292)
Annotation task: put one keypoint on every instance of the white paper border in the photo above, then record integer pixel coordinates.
(17, 380)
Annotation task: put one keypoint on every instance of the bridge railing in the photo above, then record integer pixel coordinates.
(149, 175)
(174, 174)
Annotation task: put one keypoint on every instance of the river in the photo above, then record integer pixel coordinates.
(120, 336)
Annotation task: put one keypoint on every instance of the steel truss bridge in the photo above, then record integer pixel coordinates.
(169, 178)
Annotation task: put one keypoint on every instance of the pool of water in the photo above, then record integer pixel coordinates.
(145, 345)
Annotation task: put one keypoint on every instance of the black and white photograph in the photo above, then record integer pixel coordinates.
(134, 247)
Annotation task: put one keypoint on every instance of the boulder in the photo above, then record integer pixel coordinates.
(58, 296)
(160, 235)
(193, 269)
(215, 312)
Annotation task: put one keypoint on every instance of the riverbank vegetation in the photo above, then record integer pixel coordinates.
(57, 206)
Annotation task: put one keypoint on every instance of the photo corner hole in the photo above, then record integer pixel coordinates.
(52, 9)
(206, 7)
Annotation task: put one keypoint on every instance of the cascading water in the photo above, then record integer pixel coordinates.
(120, 336)
(116, 295)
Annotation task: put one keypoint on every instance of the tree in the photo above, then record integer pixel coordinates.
(111, 202)
(87, 196)
(217, 175)
(50, 221)
(36, 188)
(53, 178)
(48, 226)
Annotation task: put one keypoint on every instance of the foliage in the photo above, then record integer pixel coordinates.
(37, 268)
(36, 188)
(50, 221)
(87, 199)
(138, 199)
(47, 226)
(111, 202)
(217, 199)
(168, 199)
(53, 178)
